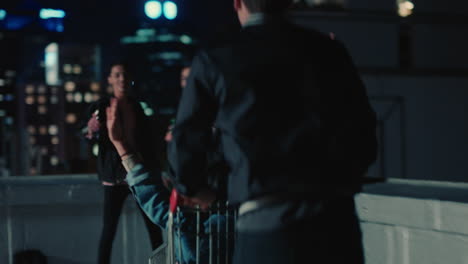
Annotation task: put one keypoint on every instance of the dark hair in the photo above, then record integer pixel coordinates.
(123, 63)
(267, 6)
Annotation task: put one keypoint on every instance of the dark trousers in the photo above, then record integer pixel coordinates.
(332, 236)
(114, 198)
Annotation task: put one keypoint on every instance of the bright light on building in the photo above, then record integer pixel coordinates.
(95, 87)
(54, 160)
(41, 99)
(71, 118)
(54, 140)
(153, 9)
(46, 13)
(43, 130)
(29, 89)
(29, 100)
(77, 69)
(405, 8)
(42, 109)
(67, 68)
(88, 98)
(52, 64)
(78, 97)
(69, 97)
(170, 10)
(53, 130)
(3, 14)
(70, 86)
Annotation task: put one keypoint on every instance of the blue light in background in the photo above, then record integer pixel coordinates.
(3, 14)
(153, 9)
(170, 10)
(53, 24)
(46, 13)
(17, 22)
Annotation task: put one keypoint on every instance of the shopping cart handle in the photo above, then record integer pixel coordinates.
(174, 201)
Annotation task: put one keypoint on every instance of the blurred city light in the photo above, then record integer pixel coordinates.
(46, 13)
(3, 14)
(405, 8)
(153, 9)
(170, 10)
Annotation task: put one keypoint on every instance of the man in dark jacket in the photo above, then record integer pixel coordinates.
(111, 173)
(296, 130)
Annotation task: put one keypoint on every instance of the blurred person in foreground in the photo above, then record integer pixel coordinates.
(296, 129)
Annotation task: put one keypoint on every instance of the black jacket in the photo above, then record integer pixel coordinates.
(292, 111)
(109, 166)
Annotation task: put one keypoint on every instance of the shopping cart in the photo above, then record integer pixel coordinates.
(196, 236)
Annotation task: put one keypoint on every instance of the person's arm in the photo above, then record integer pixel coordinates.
(152, 197)
(150, 193)
(192, 132)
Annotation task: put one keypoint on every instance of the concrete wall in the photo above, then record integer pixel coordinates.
(403, 222)
(62, 217)
(406, 222)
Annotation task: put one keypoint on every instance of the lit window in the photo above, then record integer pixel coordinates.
(54, 161)
(42, 109)
(44, 151)
(77, 69)
(96, 97)
(41, 99)
(95, 87)
(67, 68)
(32, 130)
(33, 171)
(51, 64)
(54, 140)
(69, 97)
(88, 97)
(43, 130)
(2, 82)
(153, 9)
(170, 10)
(32, 140)
(41, 89)
(70, 86)
(2, 112)
(1, 97)
(54, 99)
(53, 130)
(29, 100)
(29, 89)
(78, 97)
(70, 118)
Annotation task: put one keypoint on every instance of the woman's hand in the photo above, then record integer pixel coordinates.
(115, 128)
